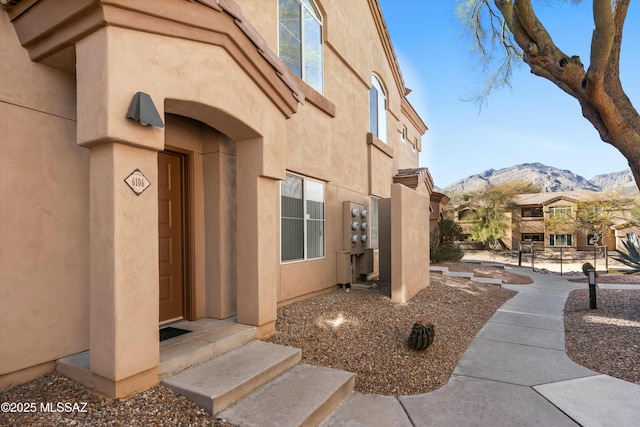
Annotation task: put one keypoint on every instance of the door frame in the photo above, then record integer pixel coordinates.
(186, 171)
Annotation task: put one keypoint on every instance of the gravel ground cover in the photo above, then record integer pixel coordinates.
(622, 279)
(364, 332)
(158, 407)
(607, 339)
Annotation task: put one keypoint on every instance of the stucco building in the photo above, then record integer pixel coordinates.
(167, 159)
(549, 220)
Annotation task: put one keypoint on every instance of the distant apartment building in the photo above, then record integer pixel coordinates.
(549, 220)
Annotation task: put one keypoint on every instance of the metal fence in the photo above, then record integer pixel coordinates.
(562, 259)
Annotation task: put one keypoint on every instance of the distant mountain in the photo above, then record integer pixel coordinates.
(548, 178)
(615, 180)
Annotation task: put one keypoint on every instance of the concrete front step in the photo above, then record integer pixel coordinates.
(303, 396)
(220, 382)
(209, 338)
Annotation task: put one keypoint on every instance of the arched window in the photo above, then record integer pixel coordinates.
(300, 40)
(377, 109)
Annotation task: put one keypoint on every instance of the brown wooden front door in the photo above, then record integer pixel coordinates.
(170, 235)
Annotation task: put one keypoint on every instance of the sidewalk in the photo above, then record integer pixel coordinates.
(516, 373)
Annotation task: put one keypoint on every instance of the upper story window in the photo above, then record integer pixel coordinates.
(464, 214)
(403, 135)
(377, 109)
(300, 40)
(560, 212)
(532, 212)
(415, 144)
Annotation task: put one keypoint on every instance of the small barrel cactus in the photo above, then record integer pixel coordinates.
(421, 335)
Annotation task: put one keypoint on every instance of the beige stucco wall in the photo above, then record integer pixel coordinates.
(520, 226)
(409, 243)
(352, 52)
(335, 149)
(44, 188)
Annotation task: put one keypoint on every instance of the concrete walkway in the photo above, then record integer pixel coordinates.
(514, 373)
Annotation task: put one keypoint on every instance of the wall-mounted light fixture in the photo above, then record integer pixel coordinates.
(144, 111)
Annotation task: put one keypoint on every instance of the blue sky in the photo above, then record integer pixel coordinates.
(534, 121)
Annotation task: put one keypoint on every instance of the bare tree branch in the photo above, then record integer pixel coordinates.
(601, 44)
(612, 74)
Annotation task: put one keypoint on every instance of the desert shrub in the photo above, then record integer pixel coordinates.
(632, 257)
(447, 231)
(446, 252)
(442, 240)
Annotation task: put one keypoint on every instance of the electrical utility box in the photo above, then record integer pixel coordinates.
(344, 273)
(365, 262)
(356, 227)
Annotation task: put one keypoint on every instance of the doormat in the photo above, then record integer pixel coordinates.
(170, 332)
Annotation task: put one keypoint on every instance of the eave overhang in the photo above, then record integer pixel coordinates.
(50, 29)
(414, 178)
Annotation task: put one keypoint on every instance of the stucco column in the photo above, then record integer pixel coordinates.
(257, 239)
(124, 293)
(219, 173)
(409, 242)
(123, 344)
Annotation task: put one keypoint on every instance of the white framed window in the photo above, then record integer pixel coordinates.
(403, 135)
(302, 219)
(377, 109)
(560, 240)
(560, 212)
(300, 40)
(415, 144)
